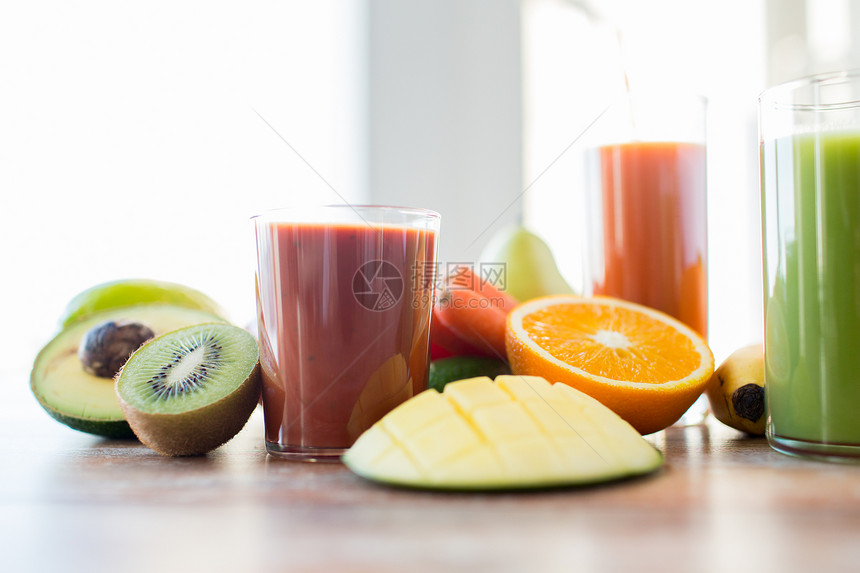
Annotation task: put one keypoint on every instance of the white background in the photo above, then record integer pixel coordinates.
(130, 145)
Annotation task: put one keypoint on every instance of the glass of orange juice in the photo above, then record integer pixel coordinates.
(646, 196)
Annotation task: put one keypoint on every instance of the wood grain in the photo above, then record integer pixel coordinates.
(723, 502)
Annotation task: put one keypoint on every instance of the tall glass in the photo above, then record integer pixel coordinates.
(647, 205)
(344, 297)
(810, 176)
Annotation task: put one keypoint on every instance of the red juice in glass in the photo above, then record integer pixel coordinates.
(654, 227)
(647, 204)
(344, 298)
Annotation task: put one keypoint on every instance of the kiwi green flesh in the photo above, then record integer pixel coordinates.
(198, 431)
(187, 369)
(177, 414)
(79, 399)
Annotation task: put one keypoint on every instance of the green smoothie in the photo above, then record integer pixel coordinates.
(812, 263)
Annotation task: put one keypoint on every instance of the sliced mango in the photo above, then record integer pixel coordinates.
(516, 432)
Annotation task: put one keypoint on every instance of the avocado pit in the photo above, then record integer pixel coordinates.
(107, 346)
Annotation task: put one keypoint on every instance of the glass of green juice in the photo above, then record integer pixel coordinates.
(809, 132)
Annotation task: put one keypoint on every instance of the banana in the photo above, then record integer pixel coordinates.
(736, 390)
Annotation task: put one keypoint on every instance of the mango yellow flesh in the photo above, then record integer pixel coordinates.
(516, 432)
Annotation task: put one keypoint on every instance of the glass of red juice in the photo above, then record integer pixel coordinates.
(344, 298)
(646, 201)
(647, 205)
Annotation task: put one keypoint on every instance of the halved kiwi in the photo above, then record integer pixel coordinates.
(188, 391)
(80, 399)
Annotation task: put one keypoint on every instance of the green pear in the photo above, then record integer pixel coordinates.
(530, 267)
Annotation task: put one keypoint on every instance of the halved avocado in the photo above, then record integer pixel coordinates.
(129, 292)
(89, 403)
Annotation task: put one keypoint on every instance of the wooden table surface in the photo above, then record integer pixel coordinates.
(723, 502)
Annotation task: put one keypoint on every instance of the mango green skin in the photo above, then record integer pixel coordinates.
(530, 266)
(130, 292)
(517, 432)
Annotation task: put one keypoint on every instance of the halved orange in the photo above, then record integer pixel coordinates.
(641, 363)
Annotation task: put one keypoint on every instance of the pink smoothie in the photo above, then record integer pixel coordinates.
(344, 312)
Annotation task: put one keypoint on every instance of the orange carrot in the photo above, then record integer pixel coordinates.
(441, 336)
(474, 318)
(465, 278)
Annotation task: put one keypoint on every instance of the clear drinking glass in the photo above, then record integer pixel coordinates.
(810, 177)
(646, 197)
(344, 297)
(647, 202)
